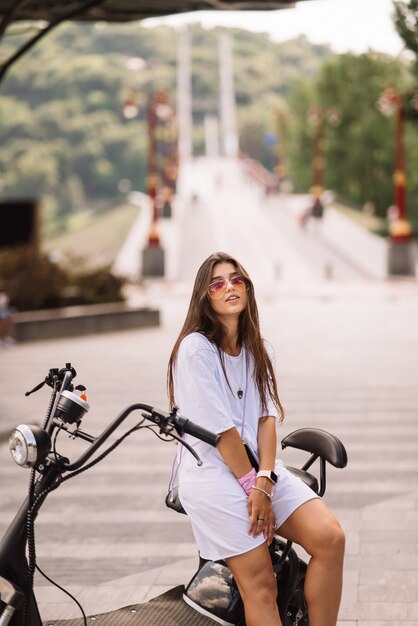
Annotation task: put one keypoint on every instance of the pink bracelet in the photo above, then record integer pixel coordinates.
(247, 482)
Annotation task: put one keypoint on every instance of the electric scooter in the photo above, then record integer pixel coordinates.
(36, 448)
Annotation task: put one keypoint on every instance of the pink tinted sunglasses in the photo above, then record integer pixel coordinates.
(217, 289)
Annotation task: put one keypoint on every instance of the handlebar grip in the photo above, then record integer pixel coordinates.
(186, 426)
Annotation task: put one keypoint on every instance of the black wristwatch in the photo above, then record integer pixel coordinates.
(267, 474)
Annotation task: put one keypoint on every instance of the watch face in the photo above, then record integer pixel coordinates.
(269, 474)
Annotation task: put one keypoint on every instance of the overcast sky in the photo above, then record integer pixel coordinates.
(347, 25)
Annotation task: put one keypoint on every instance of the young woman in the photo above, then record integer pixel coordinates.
(221, 376)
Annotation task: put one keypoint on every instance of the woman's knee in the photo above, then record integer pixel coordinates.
(263, 588)
(329, 540)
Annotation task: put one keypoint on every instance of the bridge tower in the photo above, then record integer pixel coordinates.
(227, 107)
(226, 137)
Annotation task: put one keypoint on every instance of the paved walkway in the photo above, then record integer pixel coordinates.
(347, 356)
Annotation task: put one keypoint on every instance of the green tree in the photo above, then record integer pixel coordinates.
(406, 23)
(299, 143)
(360, 151)
(63, 135)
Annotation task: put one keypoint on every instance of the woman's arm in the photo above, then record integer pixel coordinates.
(267, 443)
(233, 452)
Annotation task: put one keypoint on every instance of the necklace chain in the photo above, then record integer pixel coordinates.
(239, 383)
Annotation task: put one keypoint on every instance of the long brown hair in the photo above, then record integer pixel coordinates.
(202, 318)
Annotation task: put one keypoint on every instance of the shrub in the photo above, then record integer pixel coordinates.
(97, 285)
(31, 279)
(34, 281)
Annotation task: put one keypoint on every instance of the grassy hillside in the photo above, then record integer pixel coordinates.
(98, 237)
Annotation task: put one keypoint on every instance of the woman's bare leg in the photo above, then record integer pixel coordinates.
(257, 585)
(316, 529)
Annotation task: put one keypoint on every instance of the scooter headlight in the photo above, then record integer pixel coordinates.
(29, 445)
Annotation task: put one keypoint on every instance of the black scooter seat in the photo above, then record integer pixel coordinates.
(308, 479)
(319, 443)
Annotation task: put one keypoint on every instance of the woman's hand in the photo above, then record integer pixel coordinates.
(261, 515)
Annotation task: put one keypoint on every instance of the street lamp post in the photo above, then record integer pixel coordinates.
(153, 257)
(401, 249)
(152, 179)
(170, 165)
(399, 177)
(316, 118)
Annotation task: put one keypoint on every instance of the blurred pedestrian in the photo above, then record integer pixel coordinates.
(317, 210)
(6, 320)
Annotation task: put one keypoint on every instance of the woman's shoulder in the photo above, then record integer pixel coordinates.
(194, 343)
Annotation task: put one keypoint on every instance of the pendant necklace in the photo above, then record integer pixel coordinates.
(239, 383)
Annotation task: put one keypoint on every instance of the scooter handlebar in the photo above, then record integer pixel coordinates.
(183, 425)
(165, 421)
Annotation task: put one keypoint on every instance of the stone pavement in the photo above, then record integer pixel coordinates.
(347, 357)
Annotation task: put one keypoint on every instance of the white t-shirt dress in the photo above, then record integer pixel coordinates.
(210, 494)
